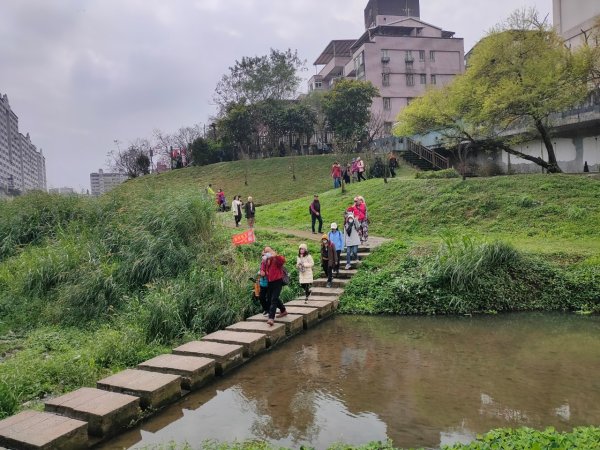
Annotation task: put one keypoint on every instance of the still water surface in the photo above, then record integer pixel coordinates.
(421, 382)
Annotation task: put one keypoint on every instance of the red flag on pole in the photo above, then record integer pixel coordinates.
(245, 238)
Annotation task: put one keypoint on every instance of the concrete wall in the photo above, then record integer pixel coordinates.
(572, 16)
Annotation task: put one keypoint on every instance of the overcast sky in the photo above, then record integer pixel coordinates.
(81, 74)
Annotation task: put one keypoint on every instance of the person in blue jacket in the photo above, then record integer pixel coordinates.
(337, 239)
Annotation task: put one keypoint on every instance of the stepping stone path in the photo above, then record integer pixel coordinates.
(87, 416)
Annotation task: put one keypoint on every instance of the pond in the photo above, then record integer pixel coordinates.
(419, 381)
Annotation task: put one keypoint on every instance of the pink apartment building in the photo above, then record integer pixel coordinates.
(398, 52)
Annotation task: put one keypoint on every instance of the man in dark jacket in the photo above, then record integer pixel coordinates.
(315, 214)
(250, 212)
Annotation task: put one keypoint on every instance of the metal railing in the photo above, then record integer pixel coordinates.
(434, 158)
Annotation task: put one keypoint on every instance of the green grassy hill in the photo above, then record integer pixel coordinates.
(269, 180)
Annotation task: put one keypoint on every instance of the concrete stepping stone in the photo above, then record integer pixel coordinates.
(154, 389)
(105, 412)
(345, 274)
(324, 308)
(310, 316)
(226, 356)
(194, 371)
(42, 430)
(274, 333)
(325, 291)
(321, 298)
(294, 324)
(253, 343)
(336, 283)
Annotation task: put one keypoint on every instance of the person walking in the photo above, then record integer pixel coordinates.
(209, 191)
(337, 239)
(264, 282)
(347, 173)
(351, 239)
(236, 208)
(315, 214)
(393, 164)
(364, 223)
(274, 273)
(328, 258)
(250, 212)
(336, 174)
(360, 167)
(354, 170)
(305, 264)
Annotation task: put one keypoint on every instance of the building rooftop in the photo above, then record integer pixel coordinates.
(335, 48)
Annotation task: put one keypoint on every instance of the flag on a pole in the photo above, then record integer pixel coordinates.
(245, 238)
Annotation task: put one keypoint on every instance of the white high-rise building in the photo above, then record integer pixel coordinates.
(103, 182)
(22, 166)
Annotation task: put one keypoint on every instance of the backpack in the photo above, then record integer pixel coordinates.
(286, 277)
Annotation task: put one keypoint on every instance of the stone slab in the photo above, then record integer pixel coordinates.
(253, 343)
(42, 430)
(325, 291)
(325, 308)
(105, 412)
(294, 324)
(194, 371)
(336, 283)
(273, 333)
(322, 298)
(226, 356)
(343, 274)
(154, 389)
(310, 316)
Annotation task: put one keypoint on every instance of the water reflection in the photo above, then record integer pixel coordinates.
(419, 381)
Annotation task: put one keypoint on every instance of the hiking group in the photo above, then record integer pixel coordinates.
(354, 171)
(237, 206)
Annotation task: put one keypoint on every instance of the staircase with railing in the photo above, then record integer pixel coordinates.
(424, 158)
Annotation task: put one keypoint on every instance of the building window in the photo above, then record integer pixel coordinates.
(385, 57)
(385, 79)
(409, 56)
(421, 55)
(433, 79)
(387, 103)
(359, 65)
(431, 55)
(410, 79)
(423, 78)
(387, 128)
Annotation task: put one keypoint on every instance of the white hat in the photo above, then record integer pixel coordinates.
(334, 226)
(303, 246)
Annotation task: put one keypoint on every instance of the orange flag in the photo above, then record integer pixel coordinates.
(245, 238)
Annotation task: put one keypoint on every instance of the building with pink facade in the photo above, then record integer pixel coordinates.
(399, 53)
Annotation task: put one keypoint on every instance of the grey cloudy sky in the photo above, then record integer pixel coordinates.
(82, 73)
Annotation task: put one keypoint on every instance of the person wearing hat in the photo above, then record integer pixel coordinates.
(328, 258)
(305, 263)
(336, 238)
(250, 212)
(351, 238)
(315, 214)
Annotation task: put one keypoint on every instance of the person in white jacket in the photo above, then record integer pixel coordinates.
(305, 263)
(351, 239)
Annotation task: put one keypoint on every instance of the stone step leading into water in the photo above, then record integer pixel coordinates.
(42, 430)
(274, 333)
(325, 292)
(310, 316)
(106, 412)
(155, 390)
(294, 324)
(226, 356)
(195, 371)
(325, 308)
(253, 343)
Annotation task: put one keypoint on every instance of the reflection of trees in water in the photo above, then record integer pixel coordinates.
(425, 376)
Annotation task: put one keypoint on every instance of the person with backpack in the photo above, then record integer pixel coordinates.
(393, 164)
(364, 223)
(250, 212)
(351, 239)
(315, 213)
(337, 239)
(236, 208)
(328, 258)
(220, 200)
(305, 264)
(275, 273)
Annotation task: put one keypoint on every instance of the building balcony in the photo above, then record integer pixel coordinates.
(334, 68)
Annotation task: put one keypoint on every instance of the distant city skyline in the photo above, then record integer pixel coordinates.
(83, 74)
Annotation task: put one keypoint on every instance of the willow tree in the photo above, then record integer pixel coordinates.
(517, 77)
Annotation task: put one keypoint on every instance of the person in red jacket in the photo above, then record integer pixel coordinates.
(274, 274)
(336, 174)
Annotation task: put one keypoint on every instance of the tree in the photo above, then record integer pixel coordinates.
(260, 78)
(347, 108)
(134, 161)
(517, 77)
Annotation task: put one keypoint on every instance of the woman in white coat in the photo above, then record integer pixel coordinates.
(305, 263)
(351, 239)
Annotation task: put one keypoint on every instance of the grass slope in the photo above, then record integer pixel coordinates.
(269, 180)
